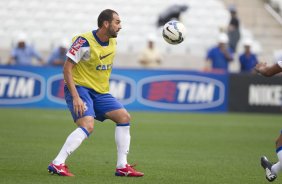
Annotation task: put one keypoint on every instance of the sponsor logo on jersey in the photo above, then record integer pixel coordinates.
(20, 87)
(76, 45)
(181, 92)
(104, 67)
(265, 95)
(122, 88)
(55, 89)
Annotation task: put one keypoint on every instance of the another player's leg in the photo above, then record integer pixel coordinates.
(277, 168)
(267, 165)
(272, 170)
(122, 138)
(73, 141)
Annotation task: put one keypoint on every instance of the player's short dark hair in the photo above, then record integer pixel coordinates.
(105, 15)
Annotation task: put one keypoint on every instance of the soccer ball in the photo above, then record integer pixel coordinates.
(174, 32)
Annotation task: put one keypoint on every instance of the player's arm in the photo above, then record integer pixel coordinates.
(74, 55)
(78, 104)
(268, 71)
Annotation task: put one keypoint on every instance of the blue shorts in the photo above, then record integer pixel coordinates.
(97, 104)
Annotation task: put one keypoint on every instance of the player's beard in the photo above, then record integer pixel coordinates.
(112, 33)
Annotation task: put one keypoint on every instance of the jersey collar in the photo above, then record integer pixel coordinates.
(98, 40)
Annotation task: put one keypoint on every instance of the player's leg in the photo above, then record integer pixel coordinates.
(122, 137)
(276, 168)
(107, 107)
(73, 141)
(85, 127)
(272, 170)
(122, 134)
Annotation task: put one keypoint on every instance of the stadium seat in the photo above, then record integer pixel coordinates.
(47, 21)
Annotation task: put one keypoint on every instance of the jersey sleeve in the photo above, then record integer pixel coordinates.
(279, 63)
(78, 49)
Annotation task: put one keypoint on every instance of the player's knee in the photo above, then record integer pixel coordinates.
(125, 118)
(90, 128)
(87, 123)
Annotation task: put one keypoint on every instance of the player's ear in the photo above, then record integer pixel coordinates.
(106, 24)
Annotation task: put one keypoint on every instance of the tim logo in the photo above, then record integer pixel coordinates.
(181, 92)
(122, 88)
(19, 87)
(55, 89)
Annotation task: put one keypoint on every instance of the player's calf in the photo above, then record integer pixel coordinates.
(269, 175)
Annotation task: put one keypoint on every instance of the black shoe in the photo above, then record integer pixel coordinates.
(270, 176)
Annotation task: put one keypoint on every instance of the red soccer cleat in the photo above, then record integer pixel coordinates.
(61, 170)
(128, 171)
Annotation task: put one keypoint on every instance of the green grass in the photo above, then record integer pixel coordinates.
(170, 148)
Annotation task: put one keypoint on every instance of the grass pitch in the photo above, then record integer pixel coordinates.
(169, 148)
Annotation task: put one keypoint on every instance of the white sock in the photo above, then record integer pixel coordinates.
(122, 137)
(72, 143)
(276, 168)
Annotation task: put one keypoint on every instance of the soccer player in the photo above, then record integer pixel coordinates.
(271, 170)
(86, 73)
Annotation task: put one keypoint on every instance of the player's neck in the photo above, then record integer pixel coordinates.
(101, 34)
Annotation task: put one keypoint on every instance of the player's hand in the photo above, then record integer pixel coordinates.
(78, 106)
(260, 66)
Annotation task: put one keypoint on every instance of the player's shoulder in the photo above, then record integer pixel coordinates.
(86, 34)
(80, 40)
(83, 36)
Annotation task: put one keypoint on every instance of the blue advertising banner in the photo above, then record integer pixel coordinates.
(137, 89)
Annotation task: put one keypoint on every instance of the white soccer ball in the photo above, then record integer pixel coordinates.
(174, 32)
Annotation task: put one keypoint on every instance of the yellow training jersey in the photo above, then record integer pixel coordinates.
(94, 61)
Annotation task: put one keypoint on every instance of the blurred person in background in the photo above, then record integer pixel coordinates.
(150, 57)
(233, 29)
(173, 12)
(23, 53)
(271, 170)
(58, 56)
(219, 56)
(248, 60)
(1, 61)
